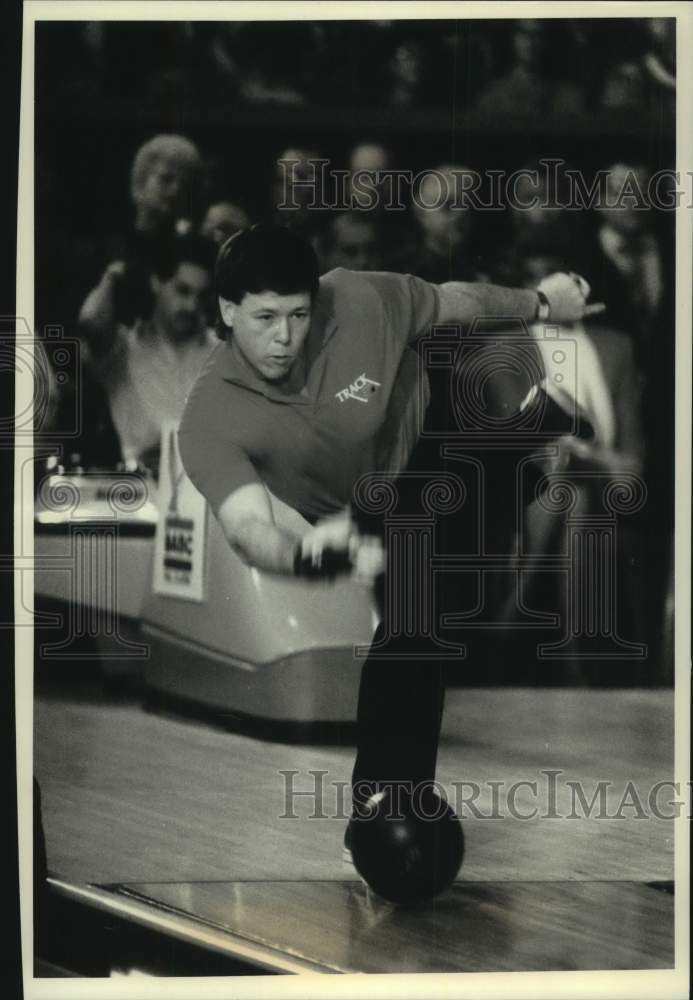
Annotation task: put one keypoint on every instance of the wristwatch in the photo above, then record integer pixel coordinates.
(543, 309)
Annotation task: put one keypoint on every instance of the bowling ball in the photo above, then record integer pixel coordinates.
(407, 848)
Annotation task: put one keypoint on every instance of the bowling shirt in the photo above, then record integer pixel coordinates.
(356, 413)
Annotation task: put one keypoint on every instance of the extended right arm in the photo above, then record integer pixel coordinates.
(248, 524)
(330, 547)
(223, 472)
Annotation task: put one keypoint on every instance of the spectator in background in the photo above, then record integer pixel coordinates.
(165, 174)
(351, 241)
(624, 87)
(462, 62)
(537, 217)
(221, 220)
(405, 71)
(538, 203)
(628, 257)
(608, 383)
(588, 46)
(634, 258)
(659, 60)
(370, 194)
(165, 179)
(644, 79)
(444, 231)
(531, 87)
(370, 160)
(223, 56)
(297, 193)
(147, 368)
(428, 61)
(271, 62)
(595, 376)
(398, 64)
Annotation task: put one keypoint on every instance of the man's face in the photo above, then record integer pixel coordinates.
(371, 163)
(529, 42)
(297, 181)
(368, 157)
(449, 221)
(354, 245)
(626, 188)
(222, 220)
(269, 330)
(180, 301)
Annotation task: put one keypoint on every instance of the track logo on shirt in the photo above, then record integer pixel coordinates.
(360, 389)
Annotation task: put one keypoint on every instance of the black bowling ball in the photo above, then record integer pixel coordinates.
(407, 848)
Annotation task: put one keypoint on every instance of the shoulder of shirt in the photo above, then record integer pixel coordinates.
(206, 409)
(341, 277)
(340, 282)
(342, 292)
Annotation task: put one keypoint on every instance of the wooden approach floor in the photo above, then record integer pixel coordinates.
(192, 821)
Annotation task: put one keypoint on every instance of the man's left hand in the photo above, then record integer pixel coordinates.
(567, 296)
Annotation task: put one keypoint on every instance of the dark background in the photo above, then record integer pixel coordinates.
(327, 86)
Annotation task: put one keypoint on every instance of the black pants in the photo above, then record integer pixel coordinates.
(401, 695)
(401, 699)
(400, 710)
(402, 690)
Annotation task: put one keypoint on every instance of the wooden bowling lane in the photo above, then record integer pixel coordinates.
(189, 821)
(477, 927)
(130, 796)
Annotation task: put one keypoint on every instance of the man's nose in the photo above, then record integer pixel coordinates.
(282, 332)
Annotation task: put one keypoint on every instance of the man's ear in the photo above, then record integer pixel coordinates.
(227, 308)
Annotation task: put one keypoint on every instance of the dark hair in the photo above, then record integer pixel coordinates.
(176, 250)
(265, 258)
